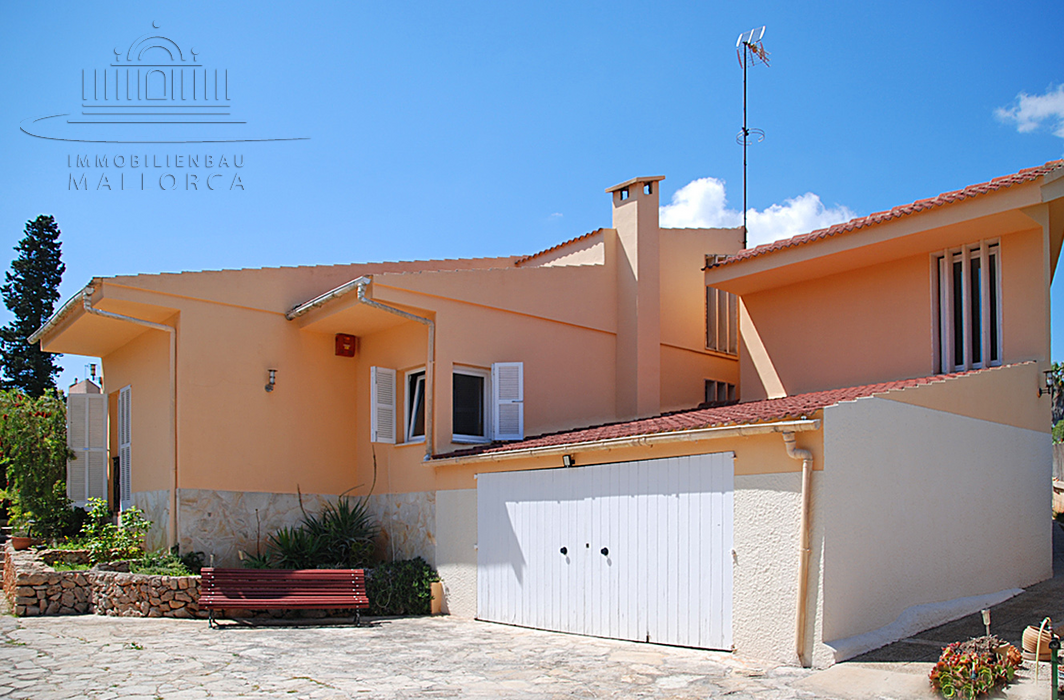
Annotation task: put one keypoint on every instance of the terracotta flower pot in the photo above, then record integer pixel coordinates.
(21, 542)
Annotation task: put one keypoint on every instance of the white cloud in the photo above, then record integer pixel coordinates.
(703, 203)
(1030, 111)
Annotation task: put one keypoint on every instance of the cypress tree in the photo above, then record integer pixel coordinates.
(30, 292)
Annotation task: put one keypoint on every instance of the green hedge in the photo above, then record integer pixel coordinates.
(401, 587)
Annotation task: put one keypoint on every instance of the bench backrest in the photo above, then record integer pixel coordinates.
(275, 583)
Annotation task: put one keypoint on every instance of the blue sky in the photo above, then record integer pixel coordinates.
(479, 129)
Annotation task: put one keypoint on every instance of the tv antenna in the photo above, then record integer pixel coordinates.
(748, 49)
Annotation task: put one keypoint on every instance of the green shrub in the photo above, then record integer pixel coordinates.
(342, 536)
(34, 453)
(401, 588)
(193, 561)
(63, 566)
(160, 563)
(109, 542)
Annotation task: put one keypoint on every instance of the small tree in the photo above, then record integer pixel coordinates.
(34, 452)
(30, 292)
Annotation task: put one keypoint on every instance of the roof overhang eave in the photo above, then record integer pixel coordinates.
(646, 440)
(70, 306)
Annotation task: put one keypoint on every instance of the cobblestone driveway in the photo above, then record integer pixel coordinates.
(99, 657)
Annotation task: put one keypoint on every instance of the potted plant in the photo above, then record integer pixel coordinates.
(20, 532)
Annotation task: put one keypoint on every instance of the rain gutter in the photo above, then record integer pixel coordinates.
(359, 286)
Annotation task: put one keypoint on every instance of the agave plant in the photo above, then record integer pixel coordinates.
(293, 548)
(346, 531)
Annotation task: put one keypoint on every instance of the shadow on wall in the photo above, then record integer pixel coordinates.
(1008, 620)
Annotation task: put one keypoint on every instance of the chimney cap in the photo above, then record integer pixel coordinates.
(635, 181)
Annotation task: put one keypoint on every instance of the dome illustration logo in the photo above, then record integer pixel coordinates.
(154, 91)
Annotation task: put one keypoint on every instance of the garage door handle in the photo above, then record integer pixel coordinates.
(605, 552)
(564, 550)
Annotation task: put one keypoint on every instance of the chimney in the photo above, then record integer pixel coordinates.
(635, 218)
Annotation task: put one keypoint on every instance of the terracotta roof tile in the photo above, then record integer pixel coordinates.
(736, 414)
(521, 261)
(852, 225)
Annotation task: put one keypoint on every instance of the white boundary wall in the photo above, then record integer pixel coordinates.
(456, 550)
(922, 508)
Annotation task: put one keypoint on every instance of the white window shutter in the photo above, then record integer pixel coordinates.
(75, 477)
(508, 397)
(87, 438)
(382, 404)
(125, 442)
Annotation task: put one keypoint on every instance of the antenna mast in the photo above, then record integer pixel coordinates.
(749, 44)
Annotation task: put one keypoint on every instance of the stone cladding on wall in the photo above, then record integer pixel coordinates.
(223, 524)
(32, 587)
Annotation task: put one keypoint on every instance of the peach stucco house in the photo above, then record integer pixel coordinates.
(798, 451)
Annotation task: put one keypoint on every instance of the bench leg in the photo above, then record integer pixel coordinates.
(358, 620)
(210, 619)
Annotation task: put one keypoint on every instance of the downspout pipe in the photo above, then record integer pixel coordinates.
(361, 284)
(803, 536)
(172, 331)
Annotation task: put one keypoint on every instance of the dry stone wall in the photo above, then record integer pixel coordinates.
(34, 588)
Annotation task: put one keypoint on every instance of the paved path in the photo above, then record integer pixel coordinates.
(98, 657)
(149, 658)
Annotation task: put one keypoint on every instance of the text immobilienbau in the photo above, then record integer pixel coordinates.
(191, 171)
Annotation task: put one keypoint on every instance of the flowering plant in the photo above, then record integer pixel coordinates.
(975, 667)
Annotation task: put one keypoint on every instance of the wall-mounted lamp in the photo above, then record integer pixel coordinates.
(567, 460)
(273, 379)
(1051, 383)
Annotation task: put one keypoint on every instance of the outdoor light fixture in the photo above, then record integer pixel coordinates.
(567, 460)
(273, 379)
(1051, 383)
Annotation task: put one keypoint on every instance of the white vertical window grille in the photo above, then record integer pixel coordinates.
(722, 321)
(968, 308)
(125, 444)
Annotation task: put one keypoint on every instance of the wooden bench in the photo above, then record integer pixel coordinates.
(283, 589)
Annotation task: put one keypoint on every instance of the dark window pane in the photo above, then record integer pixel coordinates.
(468, 415)
(995, 351)
(415, 409)
(976, 332)
(958, 314)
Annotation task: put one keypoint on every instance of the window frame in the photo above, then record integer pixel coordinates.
(408, 408)
(716, 387)
(947, 311)
(486, 404)
(718, 339)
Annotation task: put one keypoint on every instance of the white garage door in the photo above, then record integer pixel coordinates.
(636, 550)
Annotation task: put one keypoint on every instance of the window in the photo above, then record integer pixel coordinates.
(719, 393)
(415, 405)
(722, 321)
(470, 400)
(968, 307)
(485, 405)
